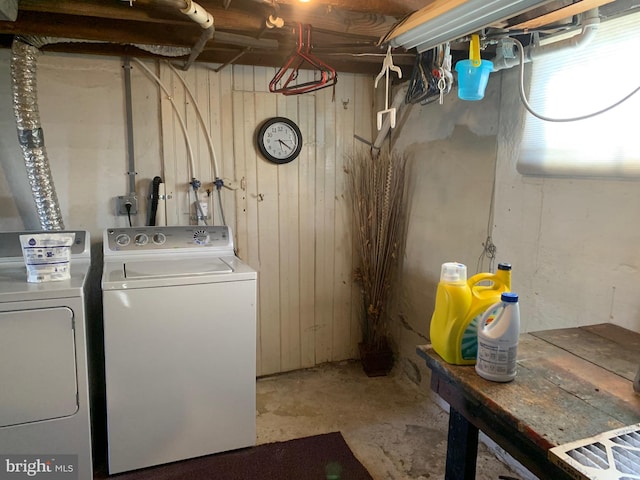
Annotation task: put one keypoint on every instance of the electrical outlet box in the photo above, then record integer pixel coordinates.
(122, 202)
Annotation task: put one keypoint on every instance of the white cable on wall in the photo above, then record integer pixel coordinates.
(175, 108)
(525, 102)
(212, 151)
(161, 212)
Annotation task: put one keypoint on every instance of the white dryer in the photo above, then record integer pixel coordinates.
(44, 395)
(180, 345)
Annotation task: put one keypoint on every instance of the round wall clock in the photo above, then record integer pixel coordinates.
(279, 140)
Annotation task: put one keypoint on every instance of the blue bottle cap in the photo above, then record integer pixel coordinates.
(509, 297)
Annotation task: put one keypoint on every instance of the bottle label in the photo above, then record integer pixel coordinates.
(495, 359)
(469, 347)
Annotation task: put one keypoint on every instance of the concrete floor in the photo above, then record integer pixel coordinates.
(394, 428)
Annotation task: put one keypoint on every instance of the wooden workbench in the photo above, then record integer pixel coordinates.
(571, 384)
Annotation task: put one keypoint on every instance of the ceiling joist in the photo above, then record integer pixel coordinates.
(346, 33)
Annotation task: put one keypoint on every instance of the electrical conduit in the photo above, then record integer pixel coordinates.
(130, 143)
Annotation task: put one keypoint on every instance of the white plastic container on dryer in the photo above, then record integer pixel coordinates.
(498, 332)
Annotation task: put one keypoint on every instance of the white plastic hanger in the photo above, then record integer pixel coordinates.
(387, 65)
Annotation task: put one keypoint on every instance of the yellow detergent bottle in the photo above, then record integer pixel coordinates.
(459, 305)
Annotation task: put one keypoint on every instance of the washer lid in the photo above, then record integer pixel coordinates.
(175, 268)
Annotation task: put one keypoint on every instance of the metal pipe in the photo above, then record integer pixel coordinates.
(180, 4)
(228, 62)
(198, 47)
(198, 14)
(130, 144)
(30, 135)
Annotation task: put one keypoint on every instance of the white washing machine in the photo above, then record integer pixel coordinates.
(44, 395)
(180, 345)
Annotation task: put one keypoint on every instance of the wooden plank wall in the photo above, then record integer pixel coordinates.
(290, 221)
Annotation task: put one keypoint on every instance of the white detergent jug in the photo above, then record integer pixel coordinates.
(498, 332)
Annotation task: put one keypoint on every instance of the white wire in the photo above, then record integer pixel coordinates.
(212, 151)
(523, 96)
(175, 108)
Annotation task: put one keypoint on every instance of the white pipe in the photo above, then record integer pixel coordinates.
(590, 23)
(191, 9)
(175, 108)
(161, 212)
(198, 14)
(212, 151)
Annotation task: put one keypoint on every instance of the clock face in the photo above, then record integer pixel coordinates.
(279, 140)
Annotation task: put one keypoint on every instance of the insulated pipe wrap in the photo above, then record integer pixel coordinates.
(30, 136)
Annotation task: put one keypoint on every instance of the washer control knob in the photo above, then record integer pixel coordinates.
(159, 238)
(141, 239)
(122, 240)
(201, 237)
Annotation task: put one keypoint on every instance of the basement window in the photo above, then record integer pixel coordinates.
(578, 82)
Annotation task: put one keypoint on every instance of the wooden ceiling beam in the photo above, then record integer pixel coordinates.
(230, 19)
(338, 19)
(345, 32)
(113, 31)
(217, 56)
(370, 25)
(393, 8)
(560, 14)
(75, 13)
(97, 8)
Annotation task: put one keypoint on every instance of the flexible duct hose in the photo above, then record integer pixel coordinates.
(30, 136)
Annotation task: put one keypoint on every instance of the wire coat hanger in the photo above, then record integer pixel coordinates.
(284, 79)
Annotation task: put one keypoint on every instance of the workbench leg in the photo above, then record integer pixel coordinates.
(462, 448)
